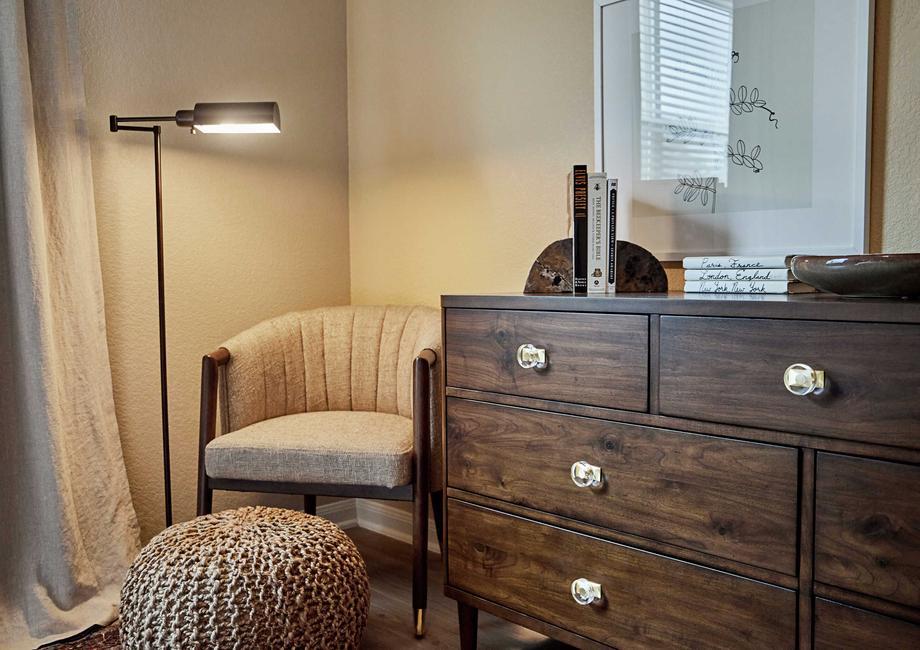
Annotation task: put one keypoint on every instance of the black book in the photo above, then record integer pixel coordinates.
(580, 228)
(612, 186)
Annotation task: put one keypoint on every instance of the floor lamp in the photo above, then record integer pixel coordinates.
(238, 117)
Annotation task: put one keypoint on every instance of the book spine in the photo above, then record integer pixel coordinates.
(738, 262)
(740, 275)
(580, 228)
(597, 228)
(706, 286)
(612, 186)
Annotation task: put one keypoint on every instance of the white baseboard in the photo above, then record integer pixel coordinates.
(391, 520)
(342, 513)
(378, 516)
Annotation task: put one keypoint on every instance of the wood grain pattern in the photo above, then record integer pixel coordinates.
(628, 539)
(654, 349)
(731, 370)
(813, 306)
(649, 600)
(724, 497)
(563, 638)
(839, 627)
(806, 549)
(898, 454)
(862, 601)
(848, 554)
(867, 534)
(596, 359)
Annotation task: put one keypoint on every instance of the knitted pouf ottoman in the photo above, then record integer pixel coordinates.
(247, 578)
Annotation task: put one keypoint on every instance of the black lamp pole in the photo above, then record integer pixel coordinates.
(114, 124)
(247, 117)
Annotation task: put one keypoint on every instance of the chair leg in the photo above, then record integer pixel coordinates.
(309, 504)
(420, 559)
(205, 496)
(421, 441)
(437, 509)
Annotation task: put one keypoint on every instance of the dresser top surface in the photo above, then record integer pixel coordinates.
(814, 306)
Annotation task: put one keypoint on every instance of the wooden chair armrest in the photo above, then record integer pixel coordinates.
(429, 355)
(220, 356)
(210, 364)
(421, 416)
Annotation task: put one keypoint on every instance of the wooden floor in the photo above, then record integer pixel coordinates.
(391, 626)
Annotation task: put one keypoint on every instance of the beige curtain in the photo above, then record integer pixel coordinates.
(67, 526)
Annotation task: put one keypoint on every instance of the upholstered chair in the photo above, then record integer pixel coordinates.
(337, 401)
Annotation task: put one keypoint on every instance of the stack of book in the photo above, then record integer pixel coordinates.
(735, 274)
(593, 211)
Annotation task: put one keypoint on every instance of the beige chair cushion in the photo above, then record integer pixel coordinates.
(329, 447)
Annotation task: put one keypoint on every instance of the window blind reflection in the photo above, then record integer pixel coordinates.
(685, 51)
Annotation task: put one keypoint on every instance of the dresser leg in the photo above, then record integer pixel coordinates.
(469, 625)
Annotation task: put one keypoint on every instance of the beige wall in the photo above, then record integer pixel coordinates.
(464, 116)
(461, 116)
(895, 187)
(255, 225)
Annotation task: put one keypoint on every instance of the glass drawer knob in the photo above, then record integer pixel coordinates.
(586, 592)
(586, 475)
(529, 356)
(801, 379)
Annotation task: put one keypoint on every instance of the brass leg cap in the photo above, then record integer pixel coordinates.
(419, 623)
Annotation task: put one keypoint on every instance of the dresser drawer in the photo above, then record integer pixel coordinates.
(840, 627)
(648, 600)
(595, 359)
(731, 370)
(867, 527)
(725, 497)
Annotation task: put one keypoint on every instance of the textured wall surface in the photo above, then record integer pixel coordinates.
(464, 116)
(461, 116)
(895, 207)
(255, 225)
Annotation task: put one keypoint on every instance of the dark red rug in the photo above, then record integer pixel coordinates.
(100, 638)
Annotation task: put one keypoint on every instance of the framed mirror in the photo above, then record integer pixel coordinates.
(736, 126)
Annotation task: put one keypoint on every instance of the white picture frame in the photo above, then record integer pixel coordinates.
(811, 196)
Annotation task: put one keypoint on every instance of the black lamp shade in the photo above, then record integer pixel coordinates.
(232, 117)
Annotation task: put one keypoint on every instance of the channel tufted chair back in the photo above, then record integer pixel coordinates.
(352, 358)
(335, 401)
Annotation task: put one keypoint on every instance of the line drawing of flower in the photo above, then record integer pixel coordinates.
(739, 156)
(694, 187)
(741, 102)
(686, 132)
(681, 132)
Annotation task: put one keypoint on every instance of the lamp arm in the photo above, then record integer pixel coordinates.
(115, 122)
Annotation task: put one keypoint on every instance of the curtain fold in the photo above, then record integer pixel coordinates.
(68, 530)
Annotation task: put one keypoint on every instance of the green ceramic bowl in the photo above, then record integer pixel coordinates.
(884, 275)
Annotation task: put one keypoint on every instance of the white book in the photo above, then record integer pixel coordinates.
(612, 187)
(597, 232)
(739, 262)
(739, 275)
(775, 286)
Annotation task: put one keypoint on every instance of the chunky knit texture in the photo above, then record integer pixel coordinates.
(247, 578)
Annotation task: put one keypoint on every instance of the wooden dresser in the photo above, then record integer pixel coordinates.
(676, 471)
